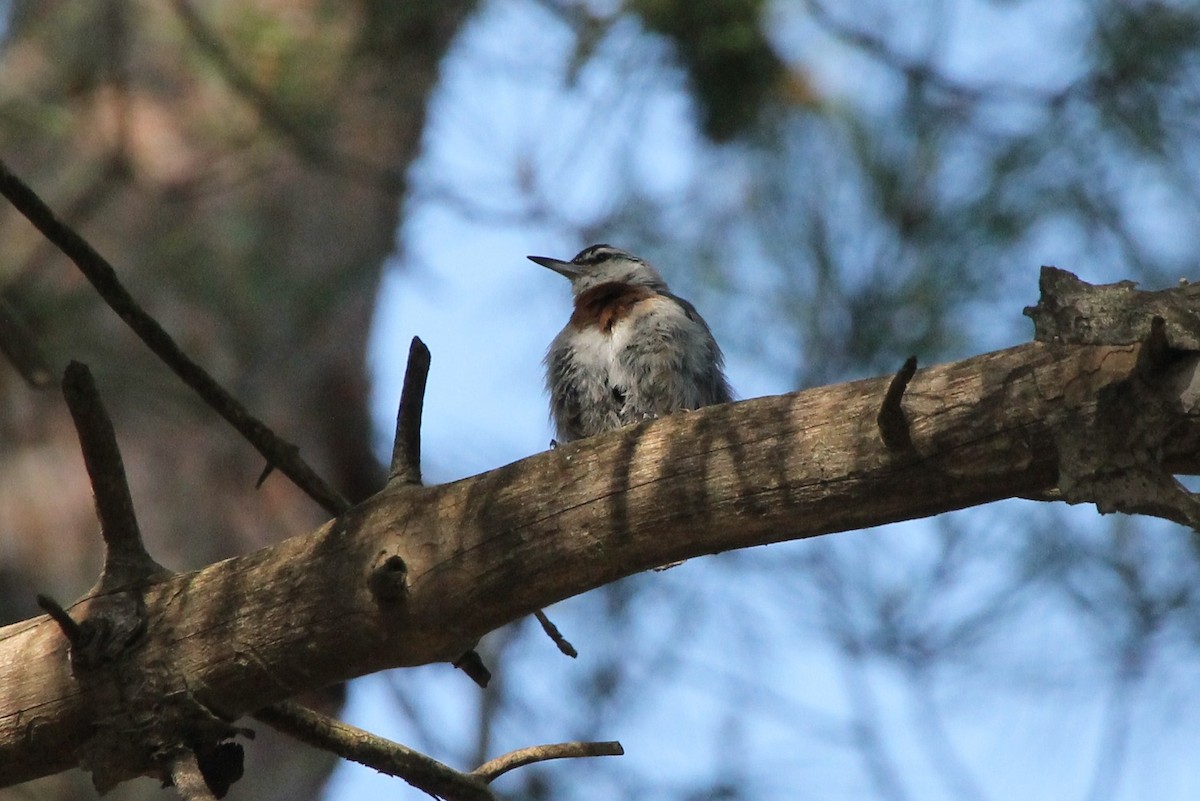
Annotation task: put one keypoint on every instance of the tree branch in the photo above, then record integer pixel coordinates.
(389, 580)
(1092, 419)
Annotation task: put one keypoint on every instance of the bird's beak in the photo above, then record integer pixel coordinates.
(563, 268)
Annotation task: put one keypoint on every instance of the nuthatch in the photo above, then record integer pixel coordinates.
(631, 350)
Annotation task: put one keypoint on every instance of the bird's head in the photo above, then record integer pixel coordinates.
(603, 264)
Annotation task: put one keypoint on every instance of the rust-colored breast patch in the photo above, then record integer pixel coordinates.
(604, 305)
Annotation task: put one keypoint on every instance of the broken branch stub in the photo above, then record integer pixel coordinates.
(1074, 311)
(1114, 457)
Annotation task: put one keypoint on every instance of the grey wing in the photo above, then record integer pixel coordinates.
(710, 369)
(675, 362)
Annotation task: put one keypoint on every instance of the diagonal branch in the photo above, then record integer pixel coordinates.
(67, 624)
(102, 276)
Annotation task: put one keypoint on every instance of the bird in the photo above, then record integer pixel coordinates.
(631, 351)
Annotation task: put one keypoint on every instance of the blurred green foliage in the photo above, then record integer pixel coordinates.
(723, 49)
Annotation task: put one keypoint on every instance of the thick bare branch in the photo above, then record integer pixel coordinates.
(1071, 310)
(490, 549)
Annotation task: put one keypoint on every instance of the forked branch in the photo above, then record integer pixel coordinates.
(420, 771)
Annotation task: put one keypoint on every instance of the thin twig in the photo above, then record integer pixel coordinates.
(103, 277)
(70, 629)
(385, 756)
(125, 557)
(87, 202)
(555, 635)
(422, 772)
(406, 448)
(493, 768)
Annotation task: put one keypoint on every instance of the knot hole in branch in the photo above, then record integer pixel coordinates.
(389, 580)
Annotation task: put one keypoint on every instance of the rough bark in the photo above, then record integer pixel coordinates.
(1105, 423)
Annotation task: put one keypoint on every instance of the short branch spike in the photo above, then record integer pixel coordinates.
(893, 424)
(125, 557)
(406, 448)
